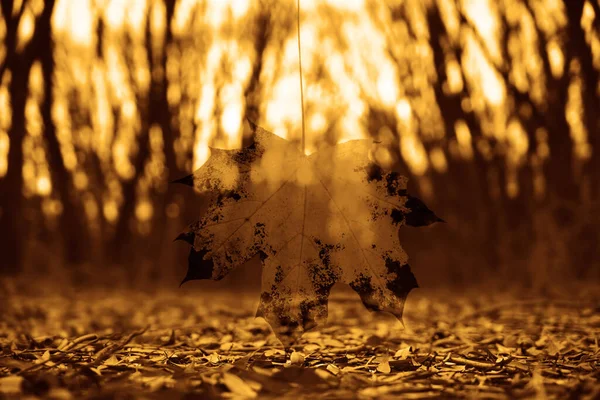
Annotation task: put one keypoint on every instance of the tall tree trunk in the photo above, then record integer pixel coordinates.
(12, 203)
(474, 194)
(72, 220)
(165, 195)
(591, 101)
(123, 239)
(12, 223)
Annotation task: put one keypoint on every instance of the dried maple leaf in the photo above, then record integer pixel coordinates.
(332, 216)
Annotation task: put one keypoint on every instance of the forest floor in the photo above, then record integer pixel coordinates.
(116, 343)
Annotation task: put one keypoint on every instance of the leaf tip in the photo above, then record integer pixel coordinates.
(187, 237)
(186, 180)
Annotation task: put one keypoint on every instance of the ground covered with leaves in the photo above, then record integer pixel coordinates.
(192, 344)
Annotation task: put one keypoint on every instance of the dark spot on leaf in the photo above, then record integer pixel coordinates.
(322, 277)
(265, 297)
(393, 183)
(252, 146)
(279, 274)
(397, 216)
(404, 280)
(374, 172)
(362, 285)
(198, 267)
(232, 194)
(259, 230)
(263, 256)
(325, 251)
(228, 194)
(287, 321)
(308, 320)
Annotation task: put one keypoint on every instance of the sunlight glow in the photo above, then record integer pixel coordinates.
(463, 135)
(574, 115)
(518, 142)
(483, 78)
(483, 15)
(5, 122)
(592, 36)
(4, 147)
(404, 110)
(43, 185)
(414, 153)
(556, 57)
(25, 30)
(144, 210)
(76, 19)
(365, 64)
(454, 74)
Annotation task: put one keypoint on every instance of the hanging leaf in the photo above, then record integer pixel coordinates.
(332, 216)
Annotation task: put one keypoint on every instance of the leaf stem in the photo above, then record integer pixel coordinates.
(301, 85)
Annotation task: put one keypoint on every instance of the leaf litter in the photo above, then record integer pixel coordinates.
(123, 344)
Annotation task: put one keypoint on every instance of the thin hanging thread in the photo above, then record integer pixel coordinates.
(301, 85)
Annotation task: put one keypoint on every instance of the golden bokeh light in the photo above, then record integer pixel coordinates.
(111, 58)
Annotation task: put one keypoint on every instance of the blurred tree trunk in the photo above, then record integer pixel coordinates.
(154, 110)
(475, 194)
(581, 50)
(72, 219)
(559, 168)
(162, 117)
(252, 92)
(13, 223)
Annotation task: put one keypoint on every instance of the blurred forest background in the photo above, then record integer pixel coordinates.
(492, 108)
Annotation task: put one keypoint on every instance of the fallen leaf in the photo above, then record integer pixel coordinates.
(316, 220)
(334, 369)
(333, 343)
(384, 367)
(214, 358)
(59, 394)
(311, 348)
(265, 371)
(403, 353)
(225, 347)
(505, 350)
(297, 358)
(236, 385)
(44, 358)
(301, 376)
(111, 361)
(11, 384)
(274, 352)
(551, 348)
(323, 374)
